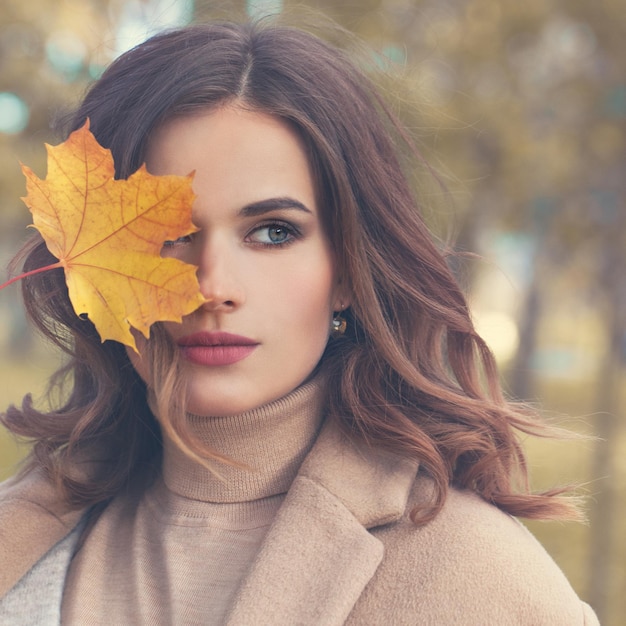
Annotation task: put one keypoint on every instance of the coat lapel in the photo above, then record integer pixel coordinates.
(312, 566)
(318, 556)
(32, 521)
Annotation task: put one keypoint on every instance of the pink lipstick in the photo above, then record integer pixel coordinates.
(216, 348)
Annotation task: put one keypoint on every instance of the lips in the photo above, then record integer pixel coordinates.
(216, 348)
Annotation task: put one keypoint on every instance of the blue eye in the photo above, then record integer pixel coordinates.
(277, 234)
(273, 234)
(170, 243)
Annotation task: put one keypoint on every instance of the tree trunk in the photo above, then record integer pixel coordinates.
(607, 429)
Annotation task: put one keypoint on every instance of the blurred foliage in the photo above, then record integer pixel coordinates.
(521, 107)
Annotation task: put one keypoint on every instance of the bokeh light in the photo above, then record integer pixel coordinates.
(261, 8)
(14, 113)
(140, 19)
(66, 52)
(500, 332)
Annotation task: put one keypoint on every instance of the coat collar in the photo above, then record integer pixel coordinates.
(318, 556)
(373, 484)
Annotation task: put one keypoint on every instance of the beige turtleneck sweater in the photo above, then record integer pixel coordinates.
(179, 553)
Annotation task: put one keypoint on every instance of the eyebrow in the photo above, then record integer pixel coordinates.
(272, 204)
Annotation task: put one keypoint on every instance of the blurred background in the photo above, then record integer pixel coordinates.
(521, 108)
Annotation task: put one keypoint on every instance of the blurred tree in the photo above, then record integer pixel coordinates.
(46, 58)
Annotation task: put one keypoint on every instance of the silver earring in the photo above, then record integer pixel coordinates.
(339, 325)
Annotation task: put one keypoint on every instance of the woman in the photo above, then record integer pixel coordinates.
(311, 446)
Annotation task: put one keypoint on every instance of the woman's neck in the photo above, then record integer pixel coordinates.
(270, 441)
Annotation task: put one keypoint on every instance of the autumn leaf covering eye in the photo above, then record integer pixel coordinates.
(108, 234)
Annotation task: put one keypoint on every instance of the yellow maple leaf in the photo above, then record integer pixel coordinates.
(107, 235)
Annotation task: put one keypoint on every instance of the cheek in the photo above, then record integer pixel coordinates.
(311, 300)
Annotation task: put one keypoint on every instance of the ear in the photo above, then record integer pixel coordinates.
(342, 296)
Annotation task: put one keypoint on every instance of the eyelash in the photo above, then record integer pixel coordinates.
(172, 243)
(293, 234)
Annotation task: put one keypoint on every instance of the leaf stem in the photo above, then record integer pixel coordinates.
(31, 273)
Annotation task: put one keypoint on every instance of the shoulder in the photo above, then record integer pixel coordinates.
(33, 518)
(473, 564)
(32, 498)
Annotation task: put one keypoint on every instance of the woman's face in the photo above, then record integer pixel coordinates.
(264, 260)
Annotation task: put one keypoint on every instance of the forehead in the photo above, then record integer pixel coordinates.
(229, 130)
(238, 155)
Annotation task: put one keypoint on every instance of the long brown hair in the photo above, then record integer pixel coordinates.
(410, 375)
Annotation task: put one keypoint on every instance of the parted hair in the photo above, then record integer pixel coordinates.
(410, 375)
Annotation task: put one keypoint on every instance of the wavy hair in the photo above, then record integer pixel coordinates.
(410, 375)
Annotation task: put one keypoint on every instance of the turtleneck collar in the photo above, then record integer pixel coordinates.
(271, 441)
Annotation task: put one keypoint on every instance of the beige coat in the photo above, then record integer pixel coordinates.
(342, 550)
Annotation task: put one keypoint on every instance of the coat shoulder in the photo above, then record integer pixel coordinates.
(471, 564)
(33, 518)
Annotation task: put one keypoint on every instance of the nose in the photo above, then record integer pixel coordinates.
(217, 276)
